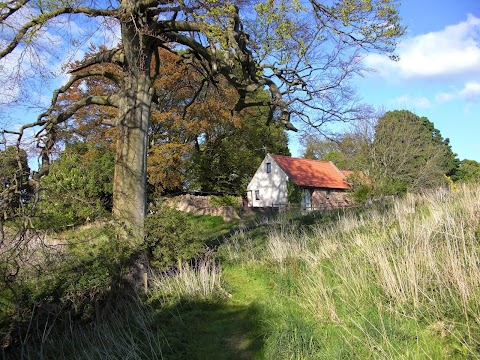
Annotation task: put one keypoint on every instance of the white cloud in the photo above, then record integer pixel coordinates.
(471, 91)
(454, 50)
(413, 102)
(444, 97)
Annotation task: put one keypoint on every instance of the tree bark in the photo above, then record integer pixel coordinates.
(129, 188)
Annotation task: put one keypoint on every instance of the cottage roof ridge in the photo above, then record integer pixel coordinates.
(299, 158)
(341, 173)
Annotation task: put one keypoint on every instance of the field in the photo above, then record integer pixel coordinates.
(397, 280)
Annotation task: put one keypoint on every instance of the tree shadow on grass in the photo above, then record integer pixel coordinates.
(211, 330)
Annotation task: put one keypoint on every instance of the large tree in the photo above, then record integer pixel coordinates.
(228, 157)
(302, 52)
(195, 142)
(397, 150)
(409, 153)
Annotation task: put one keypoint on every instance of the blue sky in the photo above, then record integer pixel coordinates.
(438, 75)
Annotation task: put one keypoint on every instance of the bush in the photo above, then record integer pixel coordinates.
(362, 193)
(41, 284)
(78, 187)
(295, 193)
(170, 238)
(226, 200)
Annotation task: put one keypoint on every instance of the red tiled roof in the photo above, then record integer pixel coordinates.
(312, 173)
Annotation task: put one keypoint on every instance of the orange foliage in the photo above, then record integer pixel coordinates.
(187, 108)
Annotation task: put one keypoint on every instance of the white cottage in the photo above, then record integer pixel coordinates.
(322, 184)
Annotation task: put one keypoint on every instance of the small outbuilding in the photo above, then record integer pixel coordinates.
(315, 184)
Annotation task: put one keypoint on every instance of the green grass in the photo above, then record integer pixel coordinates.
(251, 322)
(229, 328)
(211, 228)
(400, 282)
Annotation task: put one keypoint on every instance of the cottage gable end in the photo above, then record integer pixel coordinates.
(268, 186)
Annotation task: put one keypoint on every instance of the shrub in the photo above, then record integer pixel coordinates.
(78, 187)
(226, 200)
(361, 193)
(295, 193)
(170, 237)
(42, 284)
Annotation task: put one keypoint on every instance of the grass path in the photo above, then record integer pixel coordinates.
(226, 329)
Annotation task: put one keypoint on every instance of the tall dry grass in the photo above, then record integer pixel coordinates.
(199, 281)
(129, 332)
(418, 261)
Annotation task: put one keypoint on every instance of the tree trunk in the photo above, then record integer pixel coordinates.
(129, 188)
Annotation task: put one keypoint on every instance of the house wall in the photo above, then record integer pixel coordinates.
(271, 187)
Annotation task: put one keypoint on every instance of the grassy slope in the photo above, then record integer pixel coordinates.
(395, 283)
(253, 323)
(400, 283)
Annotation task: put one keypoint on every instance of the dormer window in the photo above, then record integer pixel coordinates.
(269, 168)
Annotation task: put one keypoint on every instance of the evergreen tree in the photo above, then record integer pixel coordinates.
(409, 154)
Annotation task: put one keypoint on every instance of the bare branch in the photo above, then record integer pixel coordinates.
(53, 107)
(111, 100)
(253, 83)
(43, 18)
(9, 8)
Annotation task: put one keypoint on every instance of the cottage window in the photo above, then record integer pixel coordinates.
(257, 194)
(269, 168)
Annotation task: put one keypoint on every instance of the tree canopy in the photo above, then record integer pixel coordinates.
(468, 171)
(409, 153)
(348, 151)
(302, 53)
(198, 146)
(399, 151)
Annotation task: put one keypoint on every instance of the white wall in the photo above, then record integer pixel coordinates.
(272, 186)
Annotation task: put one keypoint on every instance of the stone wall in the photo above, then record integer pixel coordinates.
(200, 205)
